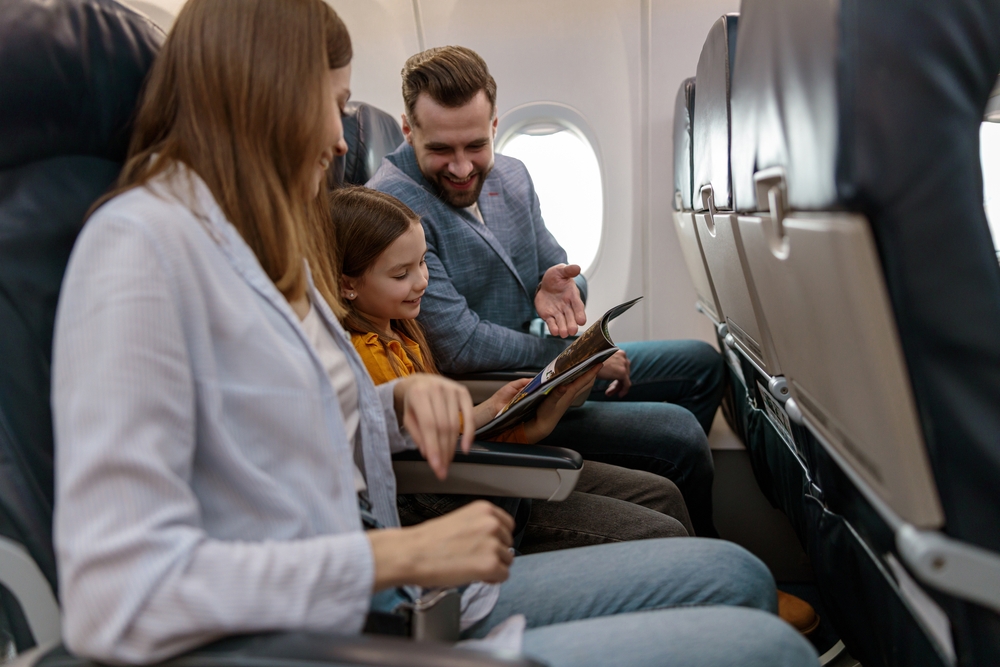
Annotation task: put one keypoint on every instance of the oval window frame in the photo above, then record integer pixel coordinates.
(513, 122)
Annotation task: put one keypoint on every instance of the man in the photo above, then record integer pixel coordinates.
(494, 267)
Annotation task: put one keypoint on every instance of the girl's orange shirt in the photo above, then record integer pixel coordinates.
(375, 355)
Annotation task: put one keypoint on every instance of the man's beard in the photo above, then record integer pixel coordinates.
(462, 199)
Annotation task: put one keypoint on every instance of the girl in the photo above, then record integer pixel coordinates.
(209, 410)
(381, 245)
(380, 249)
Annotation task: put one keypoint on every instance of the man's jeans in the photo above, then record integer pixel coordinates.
(661, 425)
(688, 373)
(649, 603)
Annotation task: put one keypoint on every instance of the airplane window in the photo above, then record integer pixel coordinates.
(989, 152)
(567, 178)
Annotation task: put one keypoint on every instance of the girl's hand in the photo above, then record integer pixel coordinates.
(469, 544)
(428, 407)
(488, 409)
(557, 403)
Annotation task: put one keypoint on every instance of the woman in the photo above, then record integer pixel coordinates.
(207, 481)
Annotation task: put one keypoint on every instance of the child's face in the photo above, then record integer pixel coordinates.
(392, 287)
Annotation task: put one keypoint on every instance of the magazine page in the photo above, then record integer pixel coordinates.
(594, 346)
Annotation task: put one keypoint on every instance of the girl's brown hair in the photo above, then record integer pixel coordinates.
(236, 94)
(366, 223)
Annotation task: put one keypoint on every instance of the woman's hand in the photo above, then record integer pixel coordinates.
(617, 368)
(469, 544)
(557, 403)
(428, 407)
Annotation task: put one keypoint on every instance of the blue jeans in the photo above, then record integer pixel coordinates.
(661, 425)
(652, 602)
(688, 373)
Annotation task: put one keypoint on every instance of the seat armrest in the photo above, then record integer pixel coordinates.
(307, 650)
(509, 454)
(495, 469)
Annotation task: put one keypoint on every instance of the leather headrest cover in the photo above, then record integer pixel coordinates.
(711, 116)
(70, 72)
(683, 157)
(371, 134)
(784, 100)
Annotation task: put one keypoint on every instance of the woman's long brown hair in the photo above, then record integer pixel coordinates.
(366, 223)
(236, 94)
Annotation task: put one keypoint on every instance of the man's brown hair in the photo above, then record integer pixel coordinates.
(451, 75)
(236, 94)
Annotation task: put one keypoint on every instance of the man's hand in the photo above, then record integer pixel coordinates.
(469, 544)
(617, 368)
(429, 406)
(558, 300)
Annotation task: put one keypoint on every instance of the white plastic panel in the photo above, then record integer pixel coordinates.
(687, 234)
(618, 62)
(677, 31)
(822, 292)
(384, 33)
(723, 251)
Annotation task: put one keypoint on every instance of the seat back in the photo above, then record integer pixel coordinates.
(713, 201)
(683, 214)
(856, 173)
(70, 72)
(371, 134)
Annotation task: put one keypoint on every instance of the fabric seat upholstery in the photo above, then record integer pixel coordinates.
(70, 73)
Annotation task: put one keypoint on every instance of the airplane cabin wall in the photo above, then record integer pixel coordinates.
(619, 64)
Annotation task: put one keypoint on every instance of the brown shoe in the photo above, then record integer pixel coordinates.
(797, 612)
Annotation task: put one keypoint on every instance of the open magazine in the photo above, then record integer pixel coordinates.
(593, 347)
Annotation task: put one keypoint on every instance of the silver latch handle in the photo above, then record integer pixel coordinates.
(708, 203)
(772, 191)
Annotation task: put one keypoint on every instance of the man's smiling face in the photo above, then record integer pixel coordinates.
(453, 145)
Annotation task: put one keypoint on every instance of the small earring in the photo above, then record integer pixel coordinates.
(351, 295)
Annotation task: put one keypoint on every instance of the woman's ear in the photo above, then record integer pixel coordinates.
(347, 288)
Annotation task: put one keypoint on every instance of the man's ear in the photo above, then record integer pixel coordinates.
(496, 121)
(407, 130)
(348, 290)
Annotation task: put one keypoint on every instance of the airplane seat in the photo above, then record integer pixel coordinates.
(371, 134)
(687, 232)
(856, 175)
(713, 202)
(63, 136)
(71, 72)
(758, 386)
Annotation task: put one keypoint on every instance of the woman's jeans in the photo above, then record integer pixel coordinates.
(653, 602)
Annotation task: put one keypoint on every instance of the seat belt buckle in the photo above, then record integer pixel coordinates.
(436, 616)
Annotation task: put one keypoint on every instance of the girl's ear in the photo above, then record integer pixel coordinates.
(347, 288)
